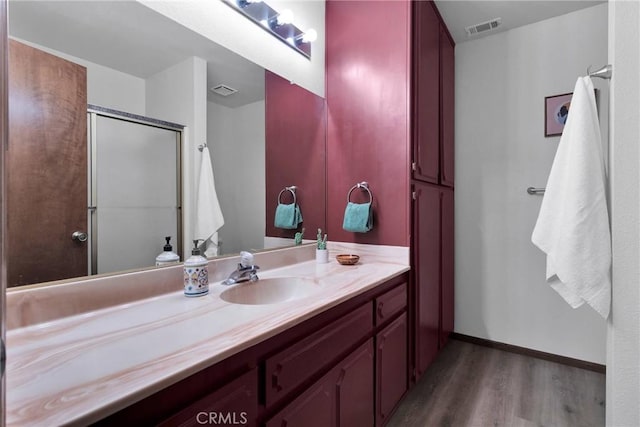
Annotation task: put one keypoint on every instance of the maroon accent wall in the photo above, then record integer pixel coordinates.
(368, 124)
(295, 153)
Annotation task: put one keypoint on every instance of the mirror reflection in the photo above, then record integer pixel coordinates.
(140, 63)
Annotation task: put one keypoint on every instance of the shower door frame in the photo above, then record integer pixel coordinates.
(93, 112)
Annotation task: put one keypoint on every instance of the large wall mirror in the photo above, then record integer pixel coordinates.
(266, 135)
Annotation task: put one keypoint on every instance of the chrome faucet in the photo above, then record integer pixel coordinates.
(246, 270)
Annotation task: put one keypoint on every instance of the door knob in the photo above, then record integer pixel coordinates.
(79, 236)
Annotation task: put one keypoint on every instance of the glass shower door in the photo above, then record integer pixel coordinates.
(136, 193)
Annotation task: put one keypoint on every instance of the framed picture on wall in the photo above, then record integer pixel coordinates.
(556, 111)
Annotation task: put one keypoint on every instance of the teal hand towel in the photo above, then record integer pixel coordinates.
(358, 217)
(288, 216)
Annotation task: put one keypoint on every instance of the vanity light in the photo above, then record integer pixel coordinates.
(279, 24)
(310, 36)
(285, 17)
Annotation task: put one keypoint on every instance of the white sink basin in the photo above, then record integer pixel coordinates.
(270, 291)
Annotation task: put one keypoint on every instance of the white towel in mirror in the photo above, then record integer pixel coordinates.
(209, 217)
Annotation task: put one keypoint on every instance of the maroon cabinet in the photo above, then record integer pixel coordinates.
(390, 303)
(433, 96)
(433, 273)
(236, 403)
(343, 397)
(314, 408)
(391, 368)
(433, 180)
(426, 274)
(426, 92)
(292, 366)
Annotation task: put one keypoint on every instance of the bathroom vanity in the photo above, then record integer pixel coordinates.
(320, 372)
(336, 355)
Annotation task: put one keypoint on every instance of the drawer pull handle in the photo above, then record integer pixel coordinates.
(380, 309)
(274, 379)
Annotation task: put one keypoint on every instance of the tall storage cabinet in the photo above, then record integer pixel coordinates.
(432, 178)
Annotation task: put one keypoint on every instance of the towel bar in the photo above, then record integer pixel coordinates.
(363, 184)
(533, 190)
(292, 189)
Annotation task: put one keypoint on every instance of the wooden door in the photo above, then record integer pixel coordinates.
(46, 167)
(391, 368)
(447, 265)
(447, 97)
(426, 267)
(426, 101)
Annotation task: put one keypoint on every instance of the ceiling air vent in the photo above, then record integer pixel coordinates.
(472, 30)
(224, 90)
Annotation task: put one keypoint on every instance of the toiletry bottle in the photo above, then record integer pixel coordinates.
(168, 256)
(196, 275)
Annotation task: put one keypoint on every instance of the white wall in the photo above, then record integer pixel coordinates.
(623, 344)
(501, 82)
(236, 140)
(179, 94)
(220, 23)
(107, 87)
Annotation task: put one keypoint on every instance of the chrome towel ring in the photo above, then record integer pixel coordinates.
(292, 190)
(362, 185)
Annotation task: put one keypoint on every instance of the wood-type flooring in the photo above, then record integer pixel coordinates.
(477, 386)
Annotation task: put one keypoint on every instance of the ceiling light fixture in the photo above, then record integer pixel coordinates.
(279, 24)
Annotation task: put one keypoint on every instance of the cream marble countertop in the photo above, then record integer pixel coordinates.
(81, 368)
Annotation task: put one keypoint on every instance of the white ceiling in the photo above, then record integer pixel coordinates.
(129, 37)
(459, 14)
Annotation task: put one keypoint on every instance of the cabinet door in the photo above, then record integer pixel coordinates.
(426, 102)
(313, 408)
(426, 267)
(447, 96)
(354, 388)
(289, 368)
(391, 367)
(447, 265)
(343, 397)
(234, 404)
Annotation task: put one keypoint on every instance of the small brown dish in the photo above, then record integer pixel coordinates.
(345, 259)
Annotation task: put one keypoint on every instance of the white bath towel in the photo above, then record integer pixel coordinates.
(573, 223)
(209, 217)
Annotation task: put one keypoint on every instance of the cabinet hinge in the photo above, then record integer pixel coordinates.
(414, 166)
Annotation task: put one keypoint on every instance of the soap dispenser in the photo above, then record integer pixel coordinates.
(196, 275)
(168, 256)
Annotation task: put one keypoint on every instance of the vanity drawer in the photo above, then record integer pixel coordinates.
(390, 303)
(291, 367)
